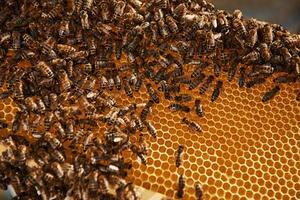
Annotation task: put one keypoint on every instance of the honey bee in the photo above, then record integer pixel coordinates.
(232, 71)
(105, 13)
(286, 54)
(48, 120)
(216, 91)
(252, 38)
(93, 184)
(151, 129)
(60, 129)
(285, 79)
(172, 24)
(119, 9)
(179, 107)
(239, 27)
(180, 11)
(242, 76)
(128, 89)
(19, 95)
(298, 96)
(58, 156)
(198, 191)
(178, 155)
(152, 93)
(5, 37)
(198, 108)
(30, 104)
(54, 142)
(146, 110)
(267, 34)
(70, 6)
(16, 37)
(265, 52)
(65, 49)
(48, 178)
(193, 125)
(92, 46)
(63, 29)
(162, 28)
(183, 98)
(16, 122)
(210, 41)
(3, 125)
(29, 42)
(64, 81)
(251, 57)
(196, 81)
(255, 81)
(181, 186)
(45, 70)
(55, 12)
(22, 151)
(57, 169)
(270, 94)
(206, 84)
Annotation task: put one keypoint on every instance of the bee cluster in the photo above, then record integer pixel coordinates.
(61, 58)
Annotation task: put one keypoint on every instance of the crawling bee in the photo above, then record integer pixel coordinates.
(58, 156)
(252, 38)
(57, 169)
(44, 69)
(251, 57)
(172, 24)
(265, 52)
(53, 141)
(232, 71)
(242, 77)
(3, 125)
(285, 79)
(119, 9)
(127, 89)
(193, 125)
(196, 81)
(152, 93)
(146, 110)
(267, 34)
(298, 96)
(183, 98)
(198, 191)
(181, 185)
(179, 107)
(216, 91)
(151, 129)
(239, 27)
(270, 94)
(64, 81)
(30, 43)
(178, 155)
(206, 84)
(162, 28)
(105, 13)
(217, 69)
(16, 37)
(255, 81)
(198, 108)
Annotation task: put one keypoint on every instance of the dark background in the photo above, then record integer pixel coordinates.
(283, 12)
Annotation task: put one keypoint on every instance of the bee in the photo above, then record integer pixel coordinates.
(267, 34)
(251, 57)
(239, 27)
(22, 150)
(298, 96)
(57, 169)
(53, 101)
(70, 6)
(181, 185)
(198, 108)
(60, 129)
(152, 93)
(286, 54)
(172, 24)
(48, 120)
(265, 52)
(103, 82)
(217, 69)
(45, 70)
(285, 79)
(3, 125)
(17, 122)
(58, 156)
(146, 110)
(64, 81)
(193, 125)
(179, 107)
(5, 37)
(178, 155)
(87, 4)
(196, 81)
(92, 46)
(252, 38)
(48, 178)
(55, 12)
(206, 84)
(232, 71)
(127, 89)
(151, 129)
(255, 81)
(19, 95)
(65, 49)
(63, 29)
(105, 13)
(180, 11)
(162, 28)
(198, 191)
(183, 98)
(242, 77)
(216, 91)
(270, 94)
(54, 142)
(210, 42)
(30, 104)
(16, 38)
(119, 9)
(93, 184)
(29, 42)
(197, 72)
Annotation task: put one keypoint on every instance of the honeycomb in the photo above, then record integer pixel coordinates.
(248, 149)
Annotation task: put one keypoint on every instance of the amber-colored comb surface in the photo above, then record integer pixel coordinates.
(248, 149)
